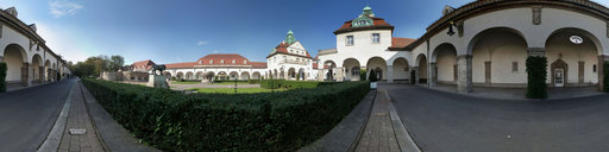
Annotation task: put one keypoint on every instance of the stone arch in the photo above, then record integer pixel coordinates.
(37, 68)
(422, 68)
(189, 76)
(209, 76)
(499, 58)
(379, 65)
(180, 75)
(329, 72)
(292, 73)
(16, 59)
(577, 60)
(256, 75)
(352, 69)
(444, 57)
(234, 75)
(275, 74)
(167, 74)
(401, 69)
(222, 75)
(301, 74)
(199, 75)
(245, 75)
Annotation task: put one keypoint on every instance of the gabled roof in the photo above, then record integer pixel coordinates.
(227, 58)
(215, 60)
(147, 64)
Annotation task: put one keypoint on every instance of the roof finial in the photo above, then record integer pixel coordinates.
(367, 11)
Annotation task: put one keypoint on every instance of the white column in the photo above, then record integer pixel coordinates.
(390, 73)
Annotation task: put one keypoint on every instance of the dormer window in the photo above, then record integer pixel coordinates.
(200, 62)
(376, 38)
(211, 61)
(244, 61)
(234, 62)
(221, 61)
(349, 40)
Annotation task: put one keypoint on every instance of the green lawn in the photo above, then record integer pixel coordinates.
(239, 90)
(229, 83)
(185, 82)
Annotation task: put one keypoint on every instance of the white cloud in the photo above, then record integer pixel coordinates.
(201, 43)
(61, 8)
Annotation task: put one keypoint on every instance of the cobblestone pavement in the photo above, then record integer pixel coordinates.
(74, 139)
(379, 135)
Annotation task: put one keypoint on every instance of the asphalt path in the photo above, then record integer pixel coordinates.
(440, 121)
(27, 116)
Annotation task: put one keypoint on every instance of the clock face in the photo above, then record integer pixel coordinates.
(576, 39)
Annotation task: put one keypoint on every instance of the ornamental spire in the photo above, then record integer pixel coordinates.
(367, 11)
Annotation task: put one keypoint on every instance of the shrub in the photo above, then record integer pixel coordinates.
(362, 74)
(606, 76)
(275, 84)
(3, 69)
(372, 77)
(537, 72)
(281, 121)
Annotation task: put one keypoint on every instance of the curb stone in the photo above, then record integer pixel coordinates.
(404, 139)
(52, 141)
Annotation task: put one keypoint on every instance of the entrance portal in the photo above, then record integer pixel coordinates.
(559, 77)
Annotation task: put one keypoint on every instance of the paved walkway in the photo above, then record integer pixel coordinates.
(385, 131)
(79, 134)
(442, 121)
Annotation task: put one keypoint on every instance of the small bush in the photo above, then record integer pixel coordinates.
(173, 121)
(362, 74)
(3, 69)
(537, 73)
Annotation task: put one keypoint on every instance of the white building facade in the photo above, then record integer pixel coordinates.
(28, 58)
(290, 61)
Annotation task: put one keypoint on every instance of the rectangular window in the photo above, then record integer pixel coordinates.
(514, 66)
(350, 40)
(376, 38)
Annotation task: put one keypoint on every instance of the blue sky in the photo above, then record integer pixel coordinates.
(168, 31)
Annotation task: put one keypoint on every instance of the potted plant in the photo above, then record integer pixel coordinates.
(373, 78)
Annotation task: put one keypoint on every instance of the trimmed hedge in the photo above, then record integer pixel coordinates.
(606, 77)
(173, 121)
(3, 69)
(537, 73)
(275, 84)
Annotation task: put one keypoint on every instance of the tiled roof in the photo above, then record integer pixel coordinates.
(315, 65)
(218, 58)
(378, 23)
(180, 65)
(146, 63)
(283, 49)
(398, 42)
(224, 60)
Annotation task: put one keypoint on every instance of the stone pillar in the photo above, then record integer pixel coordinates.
(432, 72)
(25, 70)
(601, 71)
(390, 73)
(537, 52)
(416, 74)
(40, 74)
(464, 76)
(1, 59)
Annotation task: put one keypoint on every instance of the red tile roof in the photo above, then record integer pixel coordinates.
(217, 59)
(401, 42)
(377, 23)
(180, 65)
(283, 49)
(148, 64)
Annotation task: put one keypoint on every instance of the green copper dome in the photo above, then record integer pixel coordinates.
(290, 38)
(364, 19)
